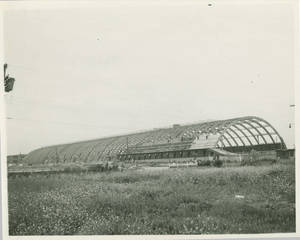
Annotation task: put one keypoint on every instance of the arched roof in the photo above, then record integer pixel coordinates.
(247, 131)
(237, 132)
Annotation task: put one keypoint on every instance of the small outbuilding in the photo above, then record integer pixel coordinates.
(286, 153)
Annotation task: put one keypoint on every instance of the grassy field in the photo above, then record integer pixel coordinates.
(170, 201)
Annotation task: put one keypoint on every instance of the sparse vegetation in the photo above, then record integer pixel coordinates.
(218, 163)
(170, 201)
(203, 163)
(253, 159)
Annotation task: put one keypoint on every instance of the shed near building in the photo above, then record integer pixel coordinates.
(285, 153)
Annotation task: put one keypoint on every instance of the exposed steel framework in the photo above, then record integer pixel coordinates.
(237, 133)
(247, 131)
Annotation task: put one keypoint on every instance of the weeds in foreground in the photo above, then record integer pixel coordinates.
(173, 201)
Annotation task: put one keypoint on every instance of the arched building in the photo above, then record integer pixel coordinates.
(232, 135)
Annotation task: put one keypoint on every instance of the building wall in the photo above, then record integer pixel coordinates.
(262, 147)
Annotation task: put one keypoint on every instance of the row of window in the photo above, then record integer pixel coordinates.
(195, 153)
(163, 155)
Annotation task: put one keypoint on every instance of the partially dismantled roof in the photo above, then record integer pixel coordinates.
(237, 132)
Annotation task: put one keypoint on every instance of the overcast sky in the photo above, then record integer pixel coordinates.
(88, 73)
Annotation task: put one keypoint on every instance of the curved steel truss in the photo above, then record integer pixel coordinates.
(244, 133)
(248, 131)
(238, 132)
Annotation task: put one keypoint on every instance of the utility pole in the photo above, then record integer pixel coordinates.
(292, 106)
(290, 124)
(57, 156)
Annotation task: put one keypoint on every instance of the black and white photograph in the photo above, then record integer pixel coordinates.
(148, 117)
